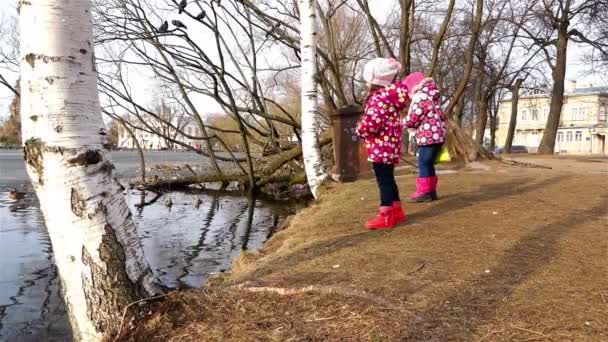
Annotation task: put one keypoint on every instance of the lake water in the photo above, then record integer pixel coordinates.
(183, 244)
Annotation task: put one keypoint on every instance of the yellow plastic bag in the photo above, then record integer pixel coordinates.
(443, 156)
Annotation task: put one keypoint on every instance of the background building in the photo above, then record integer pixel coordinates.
(152, 141)
(583, 123)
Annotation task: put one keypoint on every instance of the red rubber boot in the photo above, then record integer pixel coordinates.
(384, 220)
(399, 214)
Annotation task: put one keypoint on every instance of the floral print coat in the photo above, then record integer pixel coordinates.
(381, 125)
(425, 114)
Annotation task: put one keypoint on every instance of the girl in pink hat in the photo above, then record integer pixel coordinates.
(382, 130)
(426, 121)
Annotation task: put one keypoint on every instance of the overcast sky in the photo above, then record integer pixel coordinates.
(576, 69)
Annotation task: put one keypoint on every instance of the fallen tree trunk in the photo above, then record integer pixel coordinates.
(283, 158)
(183, 182)
(263, 175)
(298, 178)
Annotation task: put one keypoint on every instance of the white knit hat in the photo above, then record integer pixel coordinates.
(381, 71)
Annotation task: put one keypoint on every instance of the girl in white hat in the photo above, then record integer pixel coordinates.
(382, 129)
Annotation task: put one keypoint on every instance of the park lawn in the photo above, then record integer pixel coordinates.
(507, 254)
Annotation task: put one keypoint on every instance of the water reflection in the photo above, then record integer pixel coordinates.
(201, 233)
(198, 236)
(31, 307)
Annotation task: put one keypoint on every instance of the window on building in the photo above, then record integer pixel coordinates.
(560, 136)
(578, 114)
(568, 136)
(578, 136)
(603, 116)
(524, 115)
(534, 114)
(523, 137)
(545, 114)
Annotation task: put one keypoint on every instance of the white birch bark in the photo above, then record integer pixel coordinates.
(313, 164)
(97, 250)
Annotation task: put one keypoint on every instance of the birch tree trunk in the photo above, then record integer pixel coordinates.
(313, 164)
(98, 253)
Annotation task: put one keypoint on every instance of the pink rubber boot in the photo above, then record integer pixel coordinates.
(423, 191)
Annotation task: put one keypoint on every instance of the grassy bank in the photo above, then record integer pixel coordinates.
(508, 253)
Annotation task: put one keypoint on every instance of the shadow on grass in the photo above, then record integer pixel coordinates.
(466, 308)
(485, 193)
(457, 201)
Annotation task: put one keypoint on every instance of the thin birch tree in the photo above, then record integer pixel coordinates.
(313, 164)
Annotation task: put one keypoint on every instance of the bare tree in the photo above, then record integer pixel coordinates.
(438, 41)
(499, 39)
(468, 59)
(9, 53)
(555, 24)
(221, 71)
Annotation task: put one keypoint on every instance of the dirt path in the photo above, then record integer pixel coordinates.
(507, 254)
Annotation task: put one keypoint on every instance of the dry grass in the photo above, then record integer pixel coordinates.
(509, 254)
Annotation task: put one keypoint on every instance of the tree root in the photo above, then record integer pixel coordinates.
(462, 146)
(124, 313)
(523, 164)
(323, 290)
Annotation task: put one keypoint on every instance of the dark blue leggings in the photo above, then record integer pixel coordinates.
(426, 160)
(385, 176)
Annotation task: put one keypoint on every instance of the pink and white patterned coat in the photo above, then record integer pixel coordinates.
(381, 125)
(425, 114)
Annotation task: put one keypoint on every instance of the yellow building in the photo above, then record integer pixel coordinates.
(583, 125)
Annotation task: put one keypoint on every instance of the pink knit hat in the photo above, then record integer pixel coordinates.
(381, 71)
(412, 80)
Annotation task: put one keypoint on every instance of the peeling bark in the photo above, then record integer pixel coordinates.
(108, 289)
(77, 203)
(89, 157)
(32, 153)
